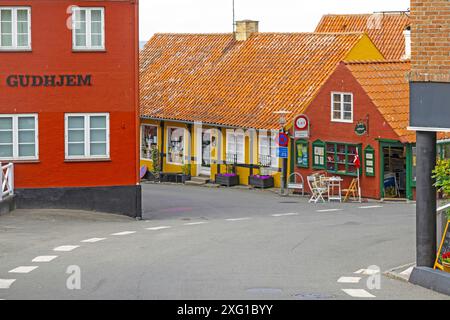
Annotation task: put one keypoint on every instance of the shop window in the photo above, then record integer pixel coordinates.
(149, 140)
(18, 137)
(369, 161)
(175, 152)
(318, 154)
(340, 158)
(444, 150)
(268, 150)
(88, 28)
(15, 28)
(302, 154)
(87, 136)
(342, 107)
(235, 151)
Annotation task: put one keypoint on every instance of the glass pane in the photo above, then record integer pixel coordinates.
(22, 15)
(80, 40)
(98, 149)
(5, 123)
(22, 40)
(6, 27)
(347, 107)
(6, 151)
(6, 15)
(96, 15)
(96, 40)
(76, 149)
(98, 122)
(26, 136)
(76, 122)
(96, 27)
(80, 28)
(76, 136)
(347, 98)
(347, 115)
(336, 115)
(22, 27)
(337, 98)
(27, 150)
(6, 40)
(98, 135)
(337, 107)
(26, 123)
(6, 137)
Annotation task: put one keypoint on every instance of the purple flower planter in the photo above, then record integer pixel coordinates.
(227, 179)
(261, 181)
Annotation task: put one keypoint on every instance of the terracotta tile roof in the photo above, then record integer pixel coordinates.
(214, 79)
(387, 34)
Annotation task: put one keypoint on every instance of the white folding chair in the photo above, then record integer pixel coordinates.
(317, 191)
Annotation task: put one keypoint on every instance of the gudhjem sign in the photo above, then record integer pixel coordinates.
(65, 80)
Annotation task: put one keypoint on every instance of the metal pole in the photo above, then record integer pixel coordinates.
(426, 199)
(283, 172)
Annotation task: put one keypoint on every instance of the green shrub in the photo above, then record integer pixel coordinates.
(442, 175)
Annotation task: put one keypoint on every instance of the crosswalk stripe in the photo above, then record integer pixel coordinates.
(358, 293)
(349, 279)
(158, 228)
(285, 214)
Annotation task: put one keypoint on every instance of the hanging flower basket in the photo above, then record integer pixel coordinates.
(227, 179)
(259, 181)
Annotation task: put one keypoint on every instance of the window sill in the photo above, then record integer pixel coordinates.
(15, 50)
(3, 162)
(89, 50)
(89, 160)
(342, 121)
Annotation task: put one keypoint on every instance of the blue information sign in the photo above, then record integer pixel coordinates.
(282, 152)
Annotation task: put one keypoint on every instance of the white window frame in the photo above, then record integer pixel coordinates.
(184, 146)
(87, 133)
(233, 135)
(142, 129)
(14, 46)
(271, 147)
(341, 119)
(88, 46)
(15, 133)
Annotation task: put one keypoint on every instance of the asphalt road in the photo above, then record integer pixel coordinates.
(201, 243)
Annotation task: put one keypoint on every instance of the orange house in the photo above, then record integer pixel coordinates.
(68, 106)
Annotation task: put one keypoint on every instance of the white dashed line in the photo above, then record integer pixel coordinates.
(358, 293)
(285, 214)
(65, 248)
(6, 283)
(349, 279)
(370, 207)
(194, 223)
(238, 219)
(367, 272)
(124, 233)
(329, 210)
(44, 258)
(93, 240)
(23, 269)
(158, 228)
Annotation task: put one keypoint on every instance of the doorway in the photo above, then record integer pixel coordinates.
(206, 153)
(393, 171)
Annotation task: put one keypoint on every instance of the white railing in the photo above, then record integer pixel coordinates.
(6, 180)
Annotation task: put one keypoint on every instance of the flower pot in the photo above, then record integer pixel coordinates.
(227, 181)
(259, 182)
(446, 266)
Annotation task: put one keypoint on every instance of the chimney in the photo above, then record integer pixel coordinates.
(407, 34)
(245, 28)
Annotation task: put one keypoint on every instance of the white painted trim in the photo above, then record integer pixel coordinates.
(140, 139)
(342, 106)
(430, 129)
(88, 46)
(15, 133)
(14, 46)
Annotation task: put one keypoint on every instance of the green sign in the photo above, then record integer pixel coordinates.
(360, 128)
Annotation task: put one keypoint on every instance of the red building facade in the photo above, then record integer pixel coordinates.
(69, 103)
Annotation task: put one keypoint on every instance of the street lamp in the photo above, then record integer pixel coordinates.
(282, 121)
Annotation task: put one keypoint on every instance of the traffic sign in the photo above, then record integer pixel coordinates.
(282, 152)
(282, 139)
(301, 126)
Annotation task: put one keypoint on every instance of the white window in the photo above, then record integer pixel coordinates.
(149, 140)
(268, 150)
(15, 28)
(18, 137)
(175, 152)
(88, 28)
(87, 136)
(342, 107)
(235, 147)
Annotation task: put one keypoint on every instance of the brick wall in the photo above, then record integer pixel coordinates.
(430, 35)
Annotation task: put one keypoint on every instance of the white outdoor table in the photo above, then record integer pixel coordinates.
(333, 184)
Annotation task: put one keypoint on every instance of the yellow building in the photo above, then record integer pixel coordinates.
(209, 100)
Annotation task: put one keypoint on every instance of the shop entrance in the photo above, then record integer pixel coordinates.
(206, 153)
(393, 171)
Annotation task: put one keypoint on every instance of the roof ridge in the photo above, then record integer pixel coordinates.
(376, 61)
(394, 13)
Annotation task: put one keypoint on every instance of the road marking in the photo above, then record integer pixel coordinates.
(358, 293)
(408, 271)
(23, 269)
(370, 207)
(93, 240)
(44, 258)
(158, 228)
(349, 279)
(285, 214)
(367, 272)
(123, 233)
(194, 223)
(65, 248)
(238, 219)
(6, 283)
(329, 210)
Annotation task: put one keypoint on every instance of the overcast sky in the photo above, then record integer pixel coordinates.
(211, 16)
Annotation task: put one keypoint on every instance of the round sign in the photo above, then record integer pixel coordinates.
(282, 139)
(301, 122)
(360, 128)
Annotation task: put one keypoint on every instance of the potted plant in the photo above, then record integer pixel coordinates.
(446, 261)
(227, 179)
(186, 172)
(261, 181)
(155, 173)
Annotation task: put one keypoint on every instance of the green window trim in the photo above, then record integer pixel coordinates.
(369, 161)
(318, 154)
(302, 155)
(341, 157)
